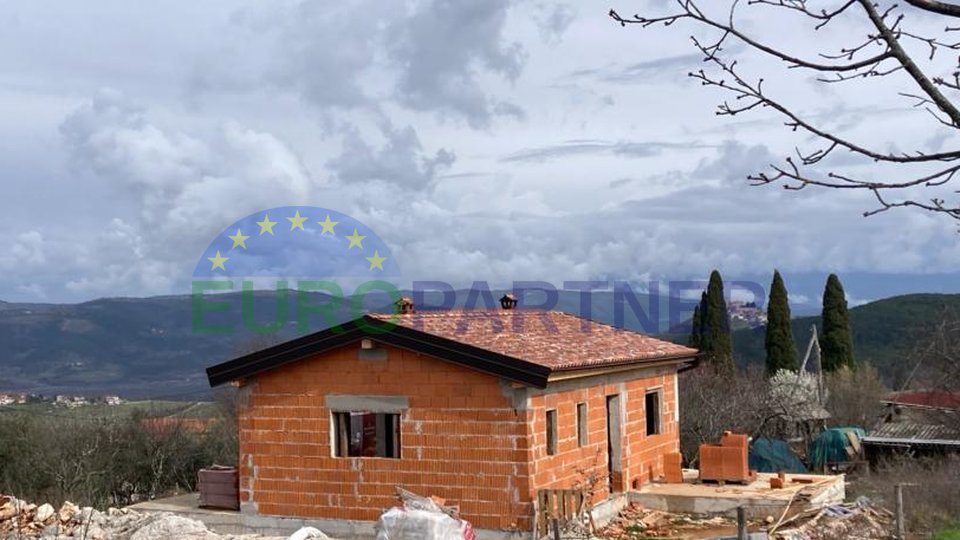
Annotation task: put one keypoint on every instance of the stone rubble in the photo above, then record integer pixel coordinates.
(22, 520)
(636, 521)
(858, 520)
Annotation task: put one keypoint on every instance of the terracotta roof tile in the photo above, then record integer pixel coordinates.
(552, 339)
(926, 398)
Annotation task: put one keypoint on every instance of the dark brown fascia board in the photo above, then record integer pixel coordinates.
(694, 362)
(407, 338)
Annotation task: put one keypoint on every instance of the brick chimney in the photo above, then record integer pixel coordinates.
(508, 301)
(404, 305)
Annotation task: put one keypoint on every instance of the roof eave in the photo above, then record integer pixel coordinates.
(577, 372)
(896, 441)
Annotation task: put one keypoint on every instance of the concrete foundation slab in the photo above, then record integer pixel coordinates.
(800, 491)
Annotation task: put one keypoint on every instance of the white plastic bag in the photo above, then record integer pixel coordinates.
(414, 524)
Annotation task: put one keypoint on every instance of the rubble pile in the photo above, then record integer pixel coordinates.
(859, 520)
(20, 519)
(635, 521)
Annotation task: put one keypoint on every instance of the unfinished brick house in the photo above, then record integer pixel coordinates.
(483, 408)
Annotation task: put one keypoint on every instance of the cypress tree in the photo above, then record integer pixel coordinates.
(836, 344)
(715, 340)
(704, 309)
(697, 337)
(694, 340)
(781, 350)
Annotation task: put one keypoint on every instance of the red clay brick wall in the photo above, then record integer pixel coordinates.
(563, 470)
(644, 459)
(460, 439)
(641, 454)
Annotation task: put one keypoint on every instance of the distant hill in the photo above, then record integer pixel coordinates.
(148, 347)
(885, 332)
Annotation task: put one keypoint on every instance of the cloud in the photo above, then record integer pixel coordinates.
(442, 49)
(453, 129)
(26, 252)
(668, 68)
(400, 160)
(325, 50)
(32, 290)
(434, 56)
(736, 162)
(627, 149)
(185, 186)
(553, 20)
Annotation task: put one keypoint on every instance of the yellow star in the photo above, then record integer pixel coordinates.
(327, 225)
(239, 239)
(376, 261)
(296, 222)
(266, 225)
(218, 261)
(355, 240)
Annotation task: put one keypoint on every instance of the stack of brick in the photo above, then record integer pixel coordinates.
(673, 468)
(727, 461)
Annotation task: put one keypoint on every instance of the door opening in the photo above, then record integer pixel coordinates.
(614, 444)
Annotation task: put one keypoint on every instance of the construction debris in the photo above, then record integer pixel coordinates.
(859, 520)
(19, 519)
(636, 521)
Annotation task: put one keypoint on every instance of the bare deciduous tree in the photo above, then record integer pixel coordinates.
(853, 397)
(936, 366)
(884, 48)
(711, 404)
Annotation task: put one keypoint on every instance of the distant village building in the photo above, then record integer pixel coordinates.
(747, 313)
(919, 422)
(70, 402)
(13, 399)
(112, 400)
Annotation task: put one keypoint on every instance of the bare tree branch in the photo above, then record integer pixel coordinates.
(943, 8)
(909, 65)
(887, 33)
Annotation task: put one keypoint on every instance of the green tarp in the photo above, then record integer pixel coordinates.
(772, 455)
(834, 446)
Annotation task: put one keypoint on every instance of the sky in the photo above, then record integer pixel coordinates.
(494, 140)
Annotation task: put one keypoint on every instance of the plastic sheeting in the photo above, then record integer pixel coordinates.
(774, 455)
(407, 524)
(835, 446)
(421, 518)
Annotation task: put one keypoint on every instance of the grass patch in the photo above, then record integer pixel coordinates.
(952, 533)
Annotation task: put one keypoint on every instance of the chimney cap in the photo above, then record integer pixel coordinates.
(404, 305)
(508, 301)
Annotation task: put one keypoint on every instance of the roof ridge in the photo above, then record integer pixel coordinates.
(499, 311)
